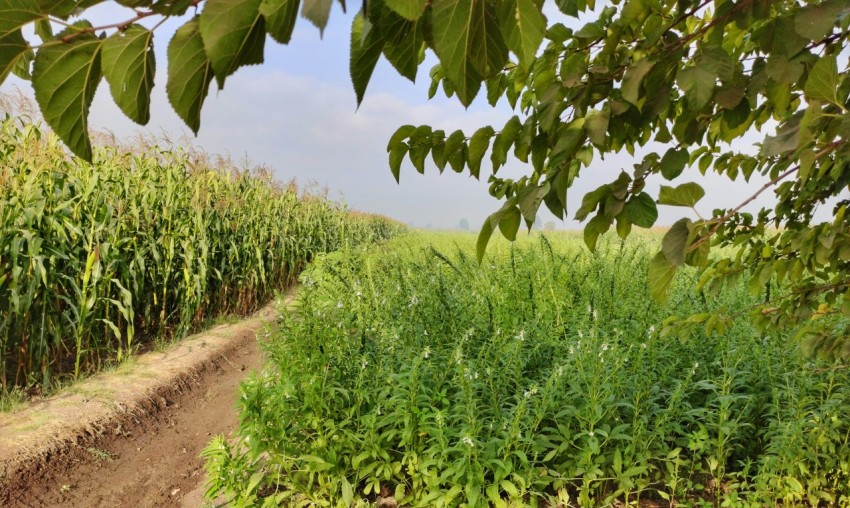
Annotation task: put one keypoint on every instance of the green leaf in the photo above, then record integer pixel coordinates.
(13, 49)
(674, 162)
(523, 27)
(675, 242)
(400, 135)
(366, 46)
(128, 66)
(660, 277)
(456, 150)
(822, 83)
(468, 41)
(483, 239)
(591, 200)
(280, 18)
(815, 22)
(687, 194)
(405, 48)
(716, 59)
(596, 125)
(234, 35)
(408, 9)
(478, 144)
(397, 154)
(14, 14)
(633, 78)
(509, 223)
(641, 211)
(317, 12)
(590, 31)
(189, 73)
(698, 84)
(503, 141)
(529, 199)
(65, 78)
(594, 228)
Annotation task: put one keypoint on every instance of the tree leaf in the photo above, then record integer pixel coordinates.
(594, 228)
(660, 277)
(189, 73)
(815, 22)
(523, 27)
(596, 125)
(822, 83)
(698, 84)
(468, 41)
(317, 12)
(13, 48)
(687, 194)
(234, 35)
(503, 141)
(129, 66)
(280, 18)
(65, 78)
(641, 211)
(14, 14)
(397, 154)
(674, 162)
(455, 150)
(529, 199)
(405, 50)
(478, 144)
(633, 78)
(483, 239)
(366, 46)
(509, 222)
(675, 242)
(408, 9)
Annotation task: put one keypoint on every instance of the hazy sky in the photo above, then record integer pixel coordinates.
(297, 115)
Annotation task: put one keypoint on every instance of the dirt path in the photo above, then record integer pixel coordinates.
(143, 451)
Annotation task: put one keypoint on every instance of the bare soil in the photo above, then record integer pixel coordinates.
(131, 437)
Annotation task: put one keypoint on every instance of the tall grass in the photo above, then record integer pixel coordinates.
(539, 378)
(140, 246)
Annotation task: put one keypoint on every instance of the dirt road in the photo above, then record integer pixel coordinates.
(144, 450)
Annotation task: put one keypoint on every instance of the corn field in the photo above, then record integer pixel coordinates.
(141, 246)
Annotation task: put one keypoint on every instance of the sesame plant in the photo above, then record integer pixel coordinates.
(541, 378)
(97, 260)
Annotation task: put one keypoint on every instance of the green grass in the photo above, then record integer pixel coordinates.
(539, 378)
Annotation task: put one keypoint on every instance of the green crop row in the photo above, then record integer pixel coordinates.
(139, 247)
(539, 378)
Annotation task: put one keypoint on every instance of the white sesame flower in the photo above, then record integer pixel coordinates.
(521, 335)
(604, 347)
(426, 352)
(591, 434)
(339, 304)
(468, 441)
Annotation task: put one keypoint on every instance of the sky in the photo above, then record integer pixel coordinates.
(297, 115)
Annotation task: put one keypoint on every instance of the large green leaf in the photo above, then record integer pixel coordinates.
(815, 22)
(366, 46)
(633, 79)
(13, 48)
(317, 12)
(483, 239)
(660, 277)
(478, 144)
(280, 18)
(128, 66)
(14, 14)
(641, 211)
(822, 83)
(408, 9)
(406, 46)
(675, 242)
(234, 35)
(523, 27)
(674, 162)
(456, 35)
(65, 78)
(698, 83)
(687, 194)
(189, 73)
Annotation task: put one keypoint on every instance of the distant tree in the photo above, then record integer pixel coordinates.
(684, 79)
(549, 226)
(463, 224)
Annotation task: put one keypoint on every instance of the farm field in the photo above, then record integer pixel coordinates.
(542, 377)
(140, 248)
